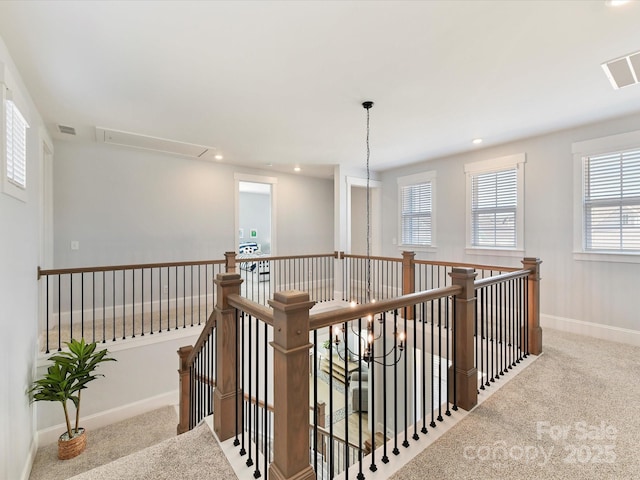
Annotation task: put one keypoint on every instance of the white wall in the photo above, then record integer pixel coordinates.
(145, 376)
(601, 293)
(135, 206)
(20, 224)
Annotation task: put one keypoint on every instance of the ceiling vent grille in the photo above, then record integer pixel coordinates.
(136, 140)
(624, 71)
(66, 129)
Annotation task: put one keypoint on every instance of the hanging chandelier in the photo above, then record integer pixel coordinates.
(340, 333)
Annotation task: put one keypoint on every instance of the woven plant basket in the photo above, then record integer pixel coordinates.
(69, 448)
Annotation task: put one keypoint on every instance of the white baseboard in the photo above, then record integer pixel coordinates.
(596, 330)
(90, 422)
(28, 464)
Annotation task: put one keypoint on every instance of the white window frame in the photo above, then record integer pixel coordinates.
(581, 150)
(508, 162)
(412, 180)
(10, 99)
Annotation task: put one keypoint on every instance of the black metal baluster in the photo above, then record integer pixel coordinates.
(433, 324)
(47, 317)
(453, 333)
(240, 324)
(447, 328)
(133, 303)
(249, 412)
(82, 304)
(266, 430)
(385, 457)
(123, 302)
(142, 300)
(184, 296)
(93, 308)
(331, 448)
(372, 413)
(439, 357)
(71, 306)
(315, 401)
(176, 298)
(492, 319)
(405, 443)
(395, 450)
(416, 413)
(424, 368)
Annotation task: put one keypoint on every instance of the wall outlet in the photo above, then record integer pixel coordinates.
(165, 289)
(75, 245)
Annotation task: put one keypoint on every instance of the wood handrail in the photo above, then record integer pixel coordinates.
(210, 324)
(252, 308)
(63, 271)
(485, 282)
(346, 314)
(467, 265)
(261, 258)
(364, 257)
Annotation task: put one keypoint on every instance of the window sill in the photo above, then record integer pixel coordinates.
(607, 257)
(418, 248)
(496, 252)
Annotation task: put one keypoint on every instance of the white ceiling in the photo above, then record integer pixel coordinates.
(282, 83)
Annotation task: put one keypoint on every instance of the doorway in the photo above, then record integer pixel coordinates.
(255, 214)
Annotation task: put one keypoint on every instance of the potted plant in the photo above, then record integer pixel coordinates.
(65, 379)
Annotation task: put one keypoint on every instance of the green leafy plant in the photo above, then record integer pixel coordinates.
(327, 344)
(70, 373)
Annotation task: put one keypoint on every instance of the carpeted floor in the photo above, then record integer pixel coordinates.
(107, 444)
(573, 414)
(194, 455)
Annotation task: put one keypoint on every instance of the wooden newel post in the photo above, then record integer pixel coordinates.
(291, 386)
(227, 397)
(408, 278)
(230, 262)
(534, 331)
(408, 273)
(185, 382)
(466, 373)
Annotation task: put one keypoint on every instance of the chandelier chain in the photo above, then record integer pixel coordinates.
(368, 215)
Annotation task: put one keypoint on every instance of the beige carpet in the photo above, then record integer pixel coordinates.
(194, 455)
(572, 414)
(107, 444)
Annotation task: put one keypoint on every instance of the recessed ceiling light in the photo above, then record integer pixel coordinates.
(477, 141)
(296, 169)
(218, 157)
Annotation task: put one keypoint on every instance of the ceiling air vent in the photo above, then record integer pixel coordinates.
(66, 129)
(624, 71)
(136, 140)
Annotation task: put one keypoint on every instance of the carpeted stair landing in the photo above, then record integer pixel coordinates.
(142, 447)
(190, 456)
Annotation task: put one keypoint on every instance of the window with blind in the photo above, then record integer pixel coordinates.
(611, 202)
(495, 210)
(16, 145)
(494, 202)
(417, 209)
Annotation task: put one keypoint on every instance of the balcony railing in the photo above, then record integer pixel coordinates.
(461, 336)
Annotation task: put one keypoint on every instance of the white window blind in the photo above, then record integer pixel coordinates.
(494, 203)
(16, 134)
(612, 202)
(417, 203)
